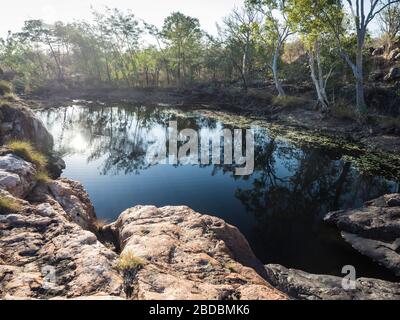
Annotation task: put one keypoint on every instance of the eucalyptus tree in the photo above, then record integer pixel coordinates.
(240, 35)
(389, 20)
(362, 14)
(40, 33)
(276, 31)
(308, 18)
(183, 36)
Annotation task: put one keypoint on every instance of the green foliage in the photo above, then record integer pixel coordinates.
(128, 261)
(26, 151)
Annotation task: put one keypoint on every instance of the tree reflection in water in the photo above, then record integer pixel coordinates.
(279, 207)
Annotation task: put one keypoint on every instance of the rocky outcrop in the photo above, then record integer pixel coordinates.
(43, 255)
(305, 286)
(19, 122)
(187, 255)
(17, 176)
(373, 230)
(393, 75)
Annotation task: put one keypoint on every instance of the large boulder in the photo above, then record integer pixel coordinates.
(393, 75)
(19, 122)
(43, 255)
(373, 230)
(186, 255)
(17, 176)
(305, 286)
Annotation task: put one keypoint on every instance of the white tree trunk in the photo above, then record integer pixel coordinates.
(275, 71)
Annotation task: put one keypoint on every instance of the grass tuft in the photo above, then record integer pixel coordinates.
(344, 111)
(25, 150)
(128, 261)
(5, 87)
(42, 176)
(9, 205)
(289, 102)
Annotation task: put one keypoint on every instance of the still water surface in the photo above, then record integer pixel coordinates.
(279, 208)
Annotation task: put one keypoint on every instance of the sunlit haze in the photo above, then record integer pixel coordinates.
(15, 12)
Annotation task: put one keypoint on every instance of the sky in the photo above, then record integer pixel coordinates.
(15, 12)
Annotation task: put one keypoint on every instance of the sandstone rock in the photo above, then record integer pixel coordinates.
(43, 255)
(393, 75)
(373, 230)
(189, 256)
(305, 286)
(376, 75)
(75, 201)
(393, 54)
(17, 176)
(378, 51)
(19, 122)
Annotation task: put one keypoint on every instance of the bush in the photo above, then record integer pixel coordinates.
(26, 151)
(5, 87)
(289, 101)
(344, 111)
(9, 205)
(128, 261)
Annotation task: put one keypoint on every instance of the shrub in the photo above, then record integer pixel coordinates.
(9, 205)
(42, 176)
(289, 101)
(344, 111)
(26, 151)
(128, 261)
(5, 87)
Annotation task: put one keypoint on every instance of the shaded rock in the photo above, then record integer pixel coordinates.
(378, 51)
(17, 176)
(19, 122)
(189, 256)
(376, 75)
(373, 230)
(393, 75)
(305, 286)
(393, 54)
(43, 255)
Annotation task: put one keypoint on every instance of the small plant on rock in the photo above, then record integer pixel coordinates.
(26, 151)
(128, 261)
(42, 176)
(9, 205)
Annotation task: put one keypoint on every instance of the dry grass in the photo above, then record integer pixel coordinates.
(344, 111)
(25, 150)
(42, 176)
(389, 122)
(289, 102)
(128, 261)
(9, 205)
(5, 87)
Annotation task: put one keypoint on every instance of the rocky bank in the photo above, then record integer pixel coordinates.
(53, 247)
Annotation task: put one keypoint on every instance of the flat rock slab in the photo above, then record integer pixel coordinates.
(373, 230)
(306, 286)
(43, 255)
(189, 256)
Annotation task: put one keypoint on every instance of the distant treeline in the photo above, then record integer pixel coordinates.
(323, 41)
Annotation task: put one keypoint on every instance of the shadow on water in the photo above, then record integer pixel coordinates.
(279, 208)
